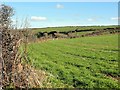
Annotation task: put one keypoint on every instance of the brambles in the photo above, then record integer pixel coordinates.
(10, 43)
(6, 59)
(15, 70)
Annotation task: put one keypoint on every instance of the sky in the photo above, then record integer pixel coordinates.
(60, 0)
(52, 14)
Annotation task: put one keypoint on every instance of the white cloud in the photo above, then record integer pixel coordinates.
(115, 18)
(91, 19)
(38, 18)
(59, 6)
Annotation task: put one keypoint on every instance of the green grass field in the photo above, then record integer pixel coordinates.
(70, 28)
(87, 62)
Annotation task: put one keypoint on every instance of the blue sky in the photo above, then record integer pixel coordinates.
(50, 14)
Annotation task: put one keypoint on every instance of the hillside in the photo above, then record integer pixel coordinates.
(88, 62)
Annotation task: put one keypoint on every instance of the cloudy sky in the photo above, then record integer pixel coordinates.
(50, 14)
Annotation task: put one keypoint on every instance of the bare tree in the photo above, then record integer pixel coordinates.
(15, 69)
(5, 23)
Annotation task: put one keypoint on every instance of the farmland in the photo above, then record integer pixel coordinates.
(87, 62)
(69, 28)
(51, 49)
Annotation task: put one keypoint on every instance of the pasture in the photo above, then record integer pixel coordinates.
(70, 28)
(87, 62)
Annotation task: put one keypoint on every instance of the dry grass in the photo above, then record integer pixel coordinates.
(14, 64)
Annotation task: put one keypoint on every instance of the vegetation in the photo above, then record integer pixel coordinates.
(87, 62)
(70, 28)
(14, 69)
(75, 31)
(72, 60)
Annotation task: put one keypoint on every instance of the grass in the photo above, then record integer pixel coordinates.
(88, 62)
(70, 28)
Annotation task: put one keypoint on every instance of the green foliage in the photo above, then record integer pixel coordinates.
(70, 28)
(88, 62)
